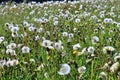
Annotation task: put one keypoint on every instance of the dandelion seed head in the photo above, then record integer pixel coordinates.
(64, 70)
(25, 49)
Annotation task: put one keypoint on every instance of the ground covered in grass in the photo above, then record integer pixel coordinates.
(77, 40)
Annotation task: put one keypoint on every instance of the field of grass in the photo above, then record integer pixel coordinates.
(60, 41)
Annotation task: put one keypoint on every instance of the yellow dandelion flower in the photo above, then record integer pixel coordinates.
(75, 52)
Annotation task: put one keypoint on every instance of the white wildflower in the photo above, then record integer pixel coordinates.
(77, 20)
(116, 58)
(95, 40)
(114, 68)
(12, 46)
(25, 49)
(64, 70)
(108, 20)
(76, 46)
(82, 69)
(58, 46)
(108, 49)
(65, 34)
(71, 35)
(102, 75)
(46, 43)
(55, 23)
(91, 49)
(2, 39)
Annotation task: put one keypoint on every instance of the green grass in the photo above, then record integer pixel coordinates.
(84, 33)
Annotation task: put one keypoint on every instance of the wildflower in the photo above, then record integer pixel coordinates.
(74, 29)
(75, 52)
(102, 15)
(102, 75)
(116, 58)
(15, 61)
(14, 34)
(12, 62)
(26, 24)
(11, 52)
(46, 43)
(31, 28)
(65, 34)
(82, 69)
(84, 50)
(114, 68)
(108, 20)
(70, 35)
(106, 66)
(14, 29)
(108, 49)
(118, 25)
(76, 46)
(2, 63)
(48, 33)
(64, 70)
(77, 20)
(2, 39)
(58, 45)
(39, 30)
(25, 49)
(12, 46)
(63, 53)
(55, 23)
(91, 49)
(23, 35)
(37, 37)
(95, 40)
(50, 47)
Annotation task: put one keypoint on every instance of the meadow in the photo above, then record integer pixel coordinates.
(77, 40)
